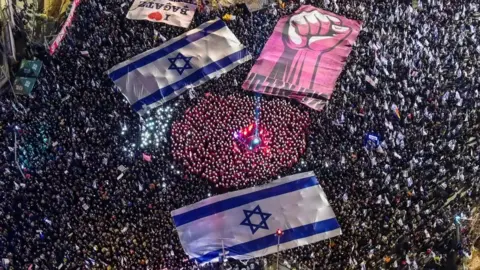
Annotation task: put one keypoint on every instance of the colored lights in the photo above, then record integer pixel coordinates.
(252, 138)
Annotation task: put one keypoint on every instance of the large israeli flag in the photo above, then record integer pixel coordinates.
(163, 73)
(245, 221)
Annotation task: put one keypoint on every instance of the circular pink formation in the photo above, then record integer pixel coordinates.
(203, 139)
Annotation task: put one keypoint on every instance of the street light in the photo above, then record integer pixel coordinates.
(279, 234)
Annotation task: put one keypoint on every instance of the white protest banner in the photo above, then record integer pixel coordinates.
(173, 13)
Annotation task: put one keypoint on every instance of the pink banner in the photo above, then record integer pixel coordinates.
(304, 56)
(63, 31)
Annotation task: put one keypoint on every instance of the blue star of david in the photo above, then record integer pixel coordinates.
(186, 64)
(256, 211)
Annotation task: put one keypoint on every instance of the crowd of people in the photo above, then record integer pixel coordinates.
(74, 198)
(215, 139)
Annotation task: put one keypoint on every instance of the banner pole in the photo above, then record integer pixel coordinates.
(278, 250)
(223, 250)
(279, 234)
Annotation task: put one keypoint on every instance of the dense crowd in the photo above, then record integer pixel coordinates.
(214, 139)
(76, 192)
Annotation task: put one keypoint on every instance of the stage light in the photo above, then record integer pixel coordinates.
(252, 138)
(279, 232)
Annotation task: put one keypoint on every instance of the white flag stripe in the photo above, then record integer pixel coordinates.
(266, 245)
(222, 197)
(203, 230)
(154, 54)
(244, 222)
(158, 75)
(231, 202)
(141, 78)
(200, 76)
(121, 69)
(281, 203)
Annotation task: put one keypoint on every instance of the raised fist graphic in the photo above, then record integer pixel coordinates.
(316, 31)
(305, 55)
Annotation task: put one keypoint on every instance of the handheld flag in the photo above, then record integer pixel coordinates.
(372, 82)
(147, 158)
(396, 111)
(247, 223)
(371, 140)
(163, 73)
(229, 17)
